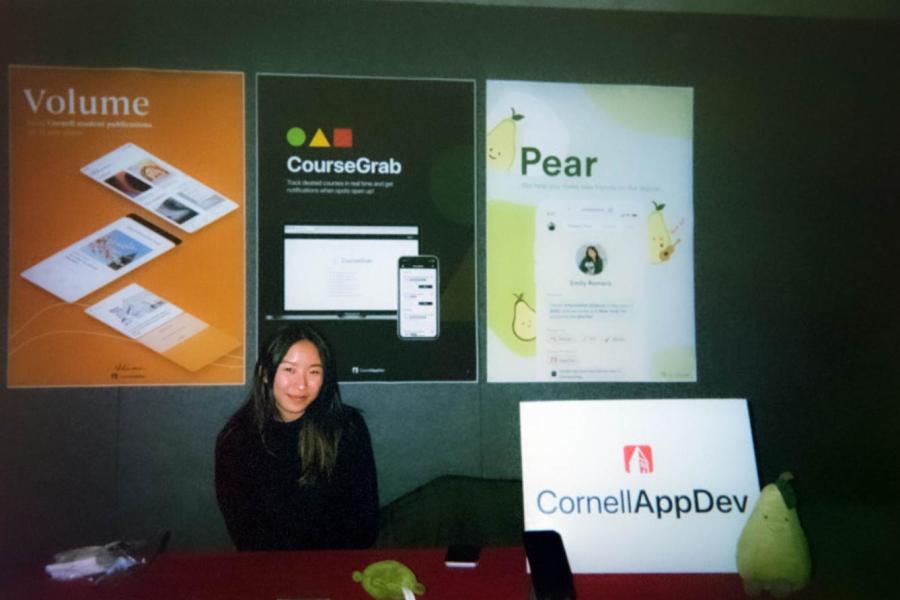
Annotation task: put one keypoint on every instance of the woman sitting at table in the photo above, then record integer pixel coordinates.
(294, 465)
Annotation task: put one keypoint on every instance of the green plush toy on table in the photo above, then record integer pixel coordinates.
(772, 553)
(389, 580)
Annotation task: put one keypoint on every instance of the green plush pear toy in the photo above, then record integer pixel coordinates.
(389, 580)
(772, 553)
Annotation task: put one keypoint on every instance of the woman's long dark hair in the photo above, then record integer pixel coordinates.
(323, 419)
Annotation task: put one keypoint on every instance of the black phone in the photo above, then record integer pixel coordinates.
(462, 556)
(551, 576)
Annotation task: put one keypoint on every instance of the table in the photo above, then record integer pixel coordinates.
(500, 575)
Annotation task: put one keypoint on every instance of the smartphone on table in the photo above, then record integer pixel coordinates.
(462, 556)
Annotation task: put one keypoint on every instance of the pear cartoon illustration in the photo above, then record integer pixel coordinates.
(659, 242)
(501, 142)
(523, 326)
(772, 553)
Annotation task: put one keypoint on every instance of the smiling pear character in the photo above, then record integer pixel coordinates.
(659, 240)
(772, 552)
(501, 142)
(524, 326)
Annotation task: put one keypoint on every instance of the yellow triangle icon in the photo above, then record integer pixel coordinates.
(319, 140)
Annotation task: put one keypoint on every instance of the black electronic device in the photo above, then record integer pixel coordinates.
(551, 576)
(462, 556)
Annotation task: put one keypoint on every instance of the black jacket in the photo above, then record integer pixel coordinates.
(266, 509)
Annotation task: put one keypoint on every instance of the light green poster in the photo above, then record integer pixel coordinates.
(589, 232)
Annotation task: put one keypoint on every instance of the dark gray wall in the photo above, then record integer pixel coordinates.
(797, 203)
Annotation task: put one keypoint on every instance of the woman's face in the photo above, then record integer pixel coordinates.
(592, 252)
(152, 172)
(298, 380)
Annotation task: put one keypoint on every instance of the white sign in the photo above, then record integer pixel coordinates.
(640, 486)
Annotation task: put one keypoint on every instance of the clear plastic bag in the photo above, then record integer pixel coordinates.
(100, 562)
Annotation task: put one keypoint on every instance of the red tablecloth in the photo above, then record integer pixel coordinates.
(500, 575)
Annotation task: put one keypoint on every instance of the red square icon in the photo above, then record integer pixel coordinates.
(342, 137)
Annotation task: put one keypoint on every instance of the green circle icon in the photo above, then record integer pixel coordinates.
(296, 136)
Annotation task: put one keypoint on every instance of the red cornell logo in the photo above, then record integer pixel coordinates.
(638, 459)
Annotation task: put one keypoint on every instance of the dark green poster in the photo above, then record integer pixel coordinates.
(367, 221)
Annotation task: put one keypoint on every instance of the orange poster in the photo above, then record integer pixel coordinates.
(127, 221)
